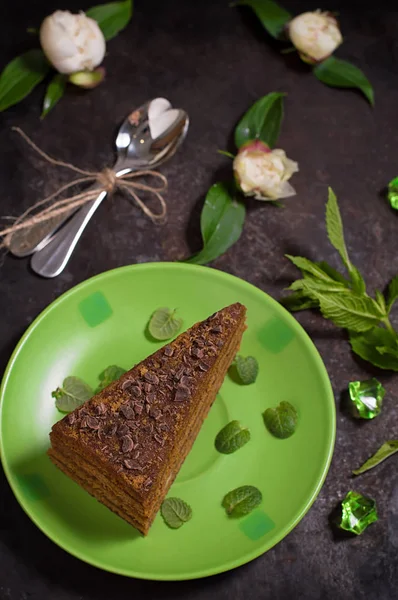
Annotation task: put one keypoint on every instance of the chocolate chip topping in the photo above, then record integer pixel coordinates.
(203, 366)
(168, 351)
(159, 439)
(216, 329)
(148, 387)
(127, 384)
(100, 409)
(71, 418)
(92, 423)
(150, 397)
(136, 391)
(138, 408)
(122, 430)
(178, 374)
(181, 394)
(197, 352)
(127, 411)
(127, 444)
(151, 377)
(186, 381)
(132, 465)
(155, 413)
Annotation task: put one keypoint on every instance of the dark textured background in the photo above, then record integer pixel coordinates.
(215, 61)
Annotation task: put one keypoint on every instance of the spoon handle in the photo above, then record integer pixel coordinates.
(51, 260)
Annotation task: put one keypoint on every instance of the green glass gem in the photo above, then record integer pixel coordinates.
(392, 194)
(357, 513)
(367, 397)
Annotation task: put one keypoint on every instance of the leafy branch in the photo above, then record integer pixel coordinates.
(343, 298)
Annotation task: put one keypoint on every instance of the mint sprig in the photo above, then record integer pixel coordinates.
(242, 501)
(231, 437)
(73, 393)
(281, 421)
(175, 512)
(344, 300)
(164, 324)
(247, 369)
(109, 375)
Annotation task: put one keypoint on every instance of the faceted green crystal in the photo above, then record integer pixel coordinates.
(357, 513)
(367, 397)
(393, 193)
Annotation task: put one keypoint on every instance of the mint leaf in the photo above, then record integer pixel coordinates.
(242, 500)
(20, 76)
(272, 16)
(108, 375)
(164, 324)
(332, 273)
(54, 93)
(262, 121)
(357, 281)
(112, 17)
(385, 451)
(381, 301)
(307, 266)
(350, 311)
(298, 301)
(221, 223)
(73, 393)
(281, 421)
(342, 74)
(377, 346)
(175, 512)
(310, 286)
(232, 437)
(334, 227)
(247, 369)
(392, 293)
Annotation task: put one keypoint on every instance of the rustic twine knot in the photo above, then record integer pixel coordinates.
(107, 180)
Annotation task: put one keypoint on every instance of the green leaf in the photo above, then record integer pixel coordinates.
(242, 500)
(272, 16)
(112, 17)
(377, 346)
(298, 301)
(20, 76)
(381, 301)
(334, 226)
(247, 369)
(221, 223)
(232, 437)
(226, 153)
(175, 512)
(73, 393)
(307, 266)
(281, 421)
(385, 451)
(54, 93)
(342, 74)
(332, 273)
(108, 375)
(163, 324)
(349, 310)
(311, 285)
(262, 121)
(392, 293)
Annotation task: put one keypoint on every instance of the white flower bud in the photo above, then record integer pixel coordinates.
(316, 35)
(72, 42)
(264, 173)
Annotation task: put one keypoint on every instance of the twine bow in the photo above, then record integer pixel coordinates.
(107, 180)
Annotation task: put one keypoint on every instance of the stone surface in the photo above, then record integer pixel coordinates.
(215, 61)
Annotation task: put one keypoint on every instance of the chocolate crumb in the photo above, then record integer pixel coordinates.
(168, 351)
(111, 429)
(150, 397)
(181, 394)
(130, 464)
(136, 391)
(71, 418)
(148, 482)
(122, 430)
(92, 423)
(104, 448)
(131, 424)
(127, 444)
(216, 329)
(127, 384)
(199, 341)
(185, 380)
(179, 373)
(100, 408)
(155, 413)
(203, 366)
(139, 408)
(136, 454)
(219, 343)
(148, 387)
(84, 422)
(127, 411)
(185, 359)
(197, 352)
(151, 377)
(147, 408)
(158, 439)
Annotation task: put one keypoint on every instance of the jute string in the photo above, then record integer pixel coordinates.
(107, 181)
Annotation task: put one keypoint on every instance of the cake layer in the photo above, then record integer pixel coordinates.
(132, 438)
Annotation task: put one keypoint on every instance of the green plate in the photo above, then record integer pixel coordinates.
(101, 322)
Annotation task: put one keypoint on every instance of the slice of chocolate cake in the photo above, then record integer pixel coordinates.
(126, 445)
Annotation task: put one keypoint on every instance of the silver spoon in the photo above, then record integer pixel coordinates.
(136, 149)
